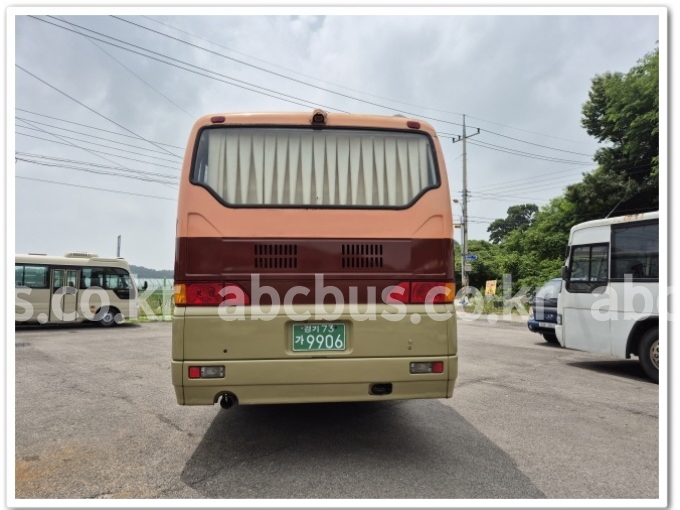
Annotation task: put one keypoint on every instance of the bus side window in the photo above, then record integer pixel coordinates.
(589, 265)
(18, 276)
(635, 251)
(117, 279)
(36, 277)
(91, 277)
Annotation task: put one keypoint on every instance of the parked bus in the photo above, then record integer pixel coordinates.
(598, 310)
(53, 289)
(271, 202)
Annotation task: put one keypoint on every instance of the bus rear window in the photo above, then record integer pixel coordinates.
(314, 168)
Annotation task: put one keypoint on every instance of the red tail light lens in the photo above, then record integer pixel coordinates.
(204, 294)
(235, 294)
(210, 294)
(194, 372)
(419, 291)
(401, 293)
(416, 293)
(437, 367)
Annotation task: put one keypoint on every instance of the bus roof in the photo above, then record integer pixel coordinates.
(72, 259)
(304, 119)
(618, 219)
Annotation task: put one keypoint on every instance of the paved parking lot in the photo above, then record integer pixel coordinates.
(96, 417)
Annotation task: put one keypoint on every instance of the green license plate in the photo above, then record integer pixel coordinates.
(319, 337)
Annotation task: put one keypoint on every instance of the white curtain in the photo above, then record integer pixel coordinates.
(258, 166)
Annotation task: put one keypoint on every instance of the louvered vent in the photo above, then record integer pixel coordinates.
(275, 256)
(362, 256)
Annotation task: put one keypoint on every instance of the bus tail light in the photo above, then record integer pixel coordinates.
(209, 372)
(204, 294)
(419, 291)
(427, 367)
(180, 294)
(210, 294)
(416, 292)
(401, 293)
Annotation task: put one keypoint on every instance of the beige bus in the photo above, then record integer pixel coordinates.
(314, 261)
(74, 288)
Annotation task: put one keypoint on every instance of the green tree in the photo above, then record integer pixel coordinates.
(623, 111)
(519, 217)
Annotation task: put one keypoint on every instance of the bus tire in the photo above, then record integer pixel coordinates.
(551, 338)
(108, 317)
(649, 354)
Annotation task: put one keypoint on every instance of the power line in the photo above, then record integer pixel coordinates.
(101, 152)
(140, 78)
(355, 90)
(486, 195)
(65, 142)
(102, 145)
(544, 177)
(231, 78)
(94, 188)
(525, 183)
(545, 158)
(529, 189)
(517, 152)
(527, 131)
(328, 90)
(511, 183)
(528, 154)
(537, 144)
(280, 75)
(78, 162)
(185, 63)
(92, 110)
(297, 72)
(87, 126)
(138, 177)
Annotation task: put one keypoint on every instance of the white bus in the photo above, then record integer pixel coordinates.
(609, 303)
(51, 289)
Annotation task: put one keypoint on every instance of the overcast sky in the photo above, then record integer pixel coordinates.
(525, 77)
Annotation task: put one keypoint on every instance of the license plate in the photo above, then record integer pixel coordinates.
(546, 324)
(318, 337)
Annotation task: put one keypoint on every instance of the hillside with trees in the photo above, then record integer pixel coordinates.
(145, 272)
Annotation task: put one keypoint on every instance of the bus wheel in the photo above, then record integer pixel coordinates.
(108, 317)
(551, 338)
(649, 354)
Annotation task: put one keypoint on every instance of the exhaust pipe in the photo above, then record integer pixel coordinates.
(227, 401)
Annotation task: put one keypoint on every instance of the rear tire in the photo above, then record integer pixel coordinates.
(551, 338)
(649, 354)
(108, 317)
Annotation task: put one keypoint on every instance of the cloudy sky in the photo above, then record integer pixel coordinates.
(523, 77)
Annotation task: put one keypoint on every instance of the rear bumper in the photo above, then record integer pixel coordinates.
(298, 381)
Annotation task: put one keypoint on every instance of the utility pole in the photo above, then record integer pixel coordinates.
(464, 247)
(118, 251)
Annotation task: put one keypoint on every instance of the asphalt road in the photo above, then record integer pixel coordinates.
(96, 417)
